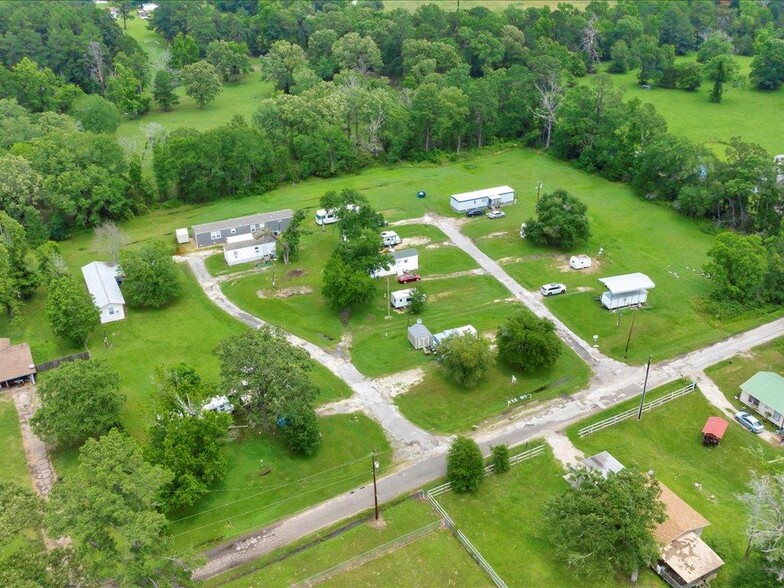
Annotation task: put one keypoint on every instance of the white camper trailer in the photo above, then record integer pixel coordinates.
(327, 217)
(579, 261)
(390, 239)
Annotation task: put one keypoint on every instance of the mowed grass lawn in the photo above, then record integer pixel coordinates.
(435, 560)
(635, 236)
(668, 441)
(729, 374)
(13, 464)
(246, 499)
(504, 520)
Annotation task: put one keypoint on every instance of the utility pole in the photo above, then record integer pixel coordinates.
(644, 388)
(629, 338)
(374, 465)
(389, 306)
(538, 191)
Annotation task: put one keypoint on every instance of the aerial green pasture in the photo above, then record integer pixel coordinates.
(668, 441)
(504, 521)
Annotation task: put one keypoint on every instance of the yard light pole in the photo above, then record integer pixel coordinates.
(389, 309)
(644, 388)
(538, 191)
(629, 338)
(374, 465)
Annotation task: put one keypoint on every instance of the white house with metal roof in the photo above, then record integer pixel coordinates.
(626, 290)
(101, 280)
(405, 260)
(489, 197)
(244, 248)
(764, 392)
(216, 233)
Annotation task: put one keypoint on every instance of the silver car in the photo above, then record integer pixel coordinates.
(749, 421)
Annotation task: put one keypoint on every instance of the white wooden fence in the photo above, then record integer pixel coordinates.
(614, 420)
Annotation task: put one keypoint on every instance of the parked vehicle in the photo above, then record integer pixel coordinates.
(218, 404)
(552, 289)
(496, 214)
(749, 421)
(390, 239)
(327, 217)
(407, 278)
(475, 212)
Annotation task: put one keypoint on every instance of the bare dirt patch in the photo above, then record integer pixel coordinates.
(508, 260)
(399, 383)
(442, 244)
(297, 273)
(415, 240)
(285, 292)
(496, 234)
(584, 289)
(473, 272)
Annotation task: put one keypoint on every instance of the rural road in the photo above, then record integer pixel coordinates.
(612, 382)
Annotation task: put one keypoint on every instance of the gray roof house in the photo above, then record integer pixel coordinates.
(216, 233)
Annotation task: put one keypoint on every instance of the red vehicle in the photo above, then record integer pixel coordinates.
(406, 278)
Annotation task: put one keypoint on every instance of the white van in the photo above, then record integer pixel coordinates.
(326, 217)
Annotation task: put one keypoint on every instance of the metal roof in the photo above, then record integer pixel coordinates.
(403, 253)
(402, 293)
(690, 557)
(16, 361)
(244, 243)
(768, 388)
(486, 193)
(627, 283)
(604, 462)
(418, 330)
(253, 219)
(102, 283)
(715, 426)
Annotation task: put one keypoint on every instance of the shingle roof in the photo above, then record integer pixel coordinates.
(102, 284)
(768, 388)
(403, 253)
(681, 518)
(627, 283)
(690, 557)
(15, 360)
(253, 219)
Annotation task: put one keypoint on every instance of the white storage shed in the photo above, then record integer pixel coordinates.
(101, 280)
(182, 236)
(244, 248)
(489, 197)
(626, 290)
(438, 338)
(419, 336)
(405, 260)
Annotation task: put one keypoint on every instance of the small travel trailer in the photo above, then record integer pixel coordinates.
(401, 298)
(579, 261)
(390, 239)
(327, 217)
(218, 404)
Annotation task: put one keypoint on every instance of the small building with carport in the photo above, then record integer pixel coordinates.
(626, 290)
(487, 198)
(246, 248)
(714, 430)
(16, 364)
(419, 336)
(764, 392)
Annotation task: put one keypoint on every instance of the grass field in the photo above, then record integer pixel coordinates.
(667, 440)
(729, 374)
(13, 464)
(504, 521)
(245, 500)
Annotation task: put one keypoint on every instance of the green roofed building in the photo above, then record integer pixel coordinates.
(764, 392)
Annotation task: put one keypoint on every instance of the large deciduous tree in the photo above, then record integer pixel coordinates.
(125, 90)
(465, 358)
(268, 375)
(71, 313)
(289, 240)
(163, 90)
(353, 51)
(346, 286)
(201, 82)
(527, 342)
(96, 114)
(79, 399)
(767, 67)
(601, 526)
(280, 63)
(562, 221)
(721, 69)
(109, 508)
(230, 59)
(22, 277)
(465, 466)
(151, 276)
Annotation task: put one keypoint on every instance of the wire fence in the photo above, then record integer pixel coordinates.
(370, 555)
(614, 420)
(50, 365)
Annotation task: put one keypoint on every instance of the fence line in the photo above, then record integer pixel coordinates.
(50, 365)
(614, 420)
(369, 555)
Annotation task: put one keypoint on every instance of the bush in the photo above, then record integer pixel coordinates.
(417, 304)
(465, 466)
(465, 358)
(500, 458)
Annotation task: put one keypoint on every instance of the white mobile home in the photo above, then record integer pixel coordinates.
(406, 260)
(244, 248)
(101, 280)
(626, 290)
(489, 197)
(419, 336)
(439, 338)
(218, 232)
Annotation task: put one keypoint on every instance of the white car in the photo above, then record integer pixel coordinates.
(552, 289)
(496, 214)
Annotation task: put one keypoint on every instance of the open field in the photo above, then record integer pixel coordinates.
(245, 499)
(503, 520)
(13, 465)
(667, 440)
(729, 374)
(744, 112)
(440, 561)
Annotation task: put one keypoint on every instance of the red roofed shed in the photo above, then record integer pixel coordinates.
(714, 430)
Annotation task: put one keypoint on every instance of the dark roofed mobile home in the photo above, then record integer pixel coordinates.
(216, 233)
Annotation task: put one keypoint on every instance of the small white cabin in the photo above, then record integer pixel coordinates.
(626, 290)
(245, 248)
(581, 261)
(489, 197)
(182, 236)
(101, 280)
(406, 260)
(439, 338)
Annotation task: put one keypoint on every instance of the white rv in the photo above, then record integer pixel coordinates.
(581, 261)
(218, 404)
(390, 239)
(327, 217)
